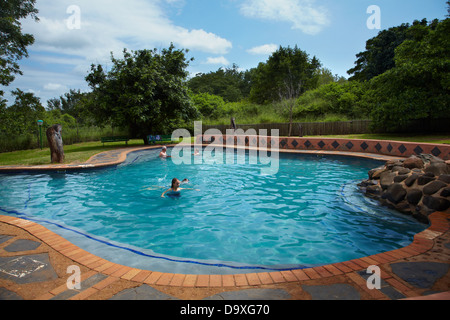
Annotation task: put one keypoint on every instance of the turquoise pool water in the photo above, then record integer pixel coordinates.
(309, 213)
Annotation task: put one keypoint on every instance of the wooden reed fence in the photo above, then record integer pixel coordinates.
(304, 128)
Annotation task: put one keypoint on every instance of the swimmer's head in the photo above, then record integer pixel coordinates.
(175, 183)
(164, 148)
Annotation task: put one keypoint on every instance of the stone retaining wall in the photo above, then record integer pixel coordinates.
(383, 147)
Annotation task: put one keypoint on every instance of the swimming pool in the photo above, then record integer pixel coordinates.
(235, 220)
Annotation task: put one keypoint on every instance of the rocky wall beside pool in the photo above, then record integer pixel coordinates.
(382, 147)
(417, 186)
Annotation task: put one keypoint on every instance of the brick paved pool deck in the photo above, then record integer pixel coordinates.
(34, 265)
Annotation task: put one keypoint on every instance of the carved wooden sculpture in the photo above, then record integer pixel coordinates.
(56, 143)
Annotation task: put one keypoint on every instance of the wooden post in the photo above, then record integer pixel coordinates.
(233, 124)
(300, 130)
(55, 143)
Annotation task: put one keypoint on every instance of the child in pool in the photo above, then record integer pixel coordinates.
(175, 189)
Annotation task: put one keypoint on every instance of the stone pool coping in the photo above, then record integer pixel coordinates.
(383, 150)
(116, 157)
(423, 242)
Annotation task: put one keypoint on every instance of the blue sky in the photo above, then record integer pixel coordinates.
(73, 34)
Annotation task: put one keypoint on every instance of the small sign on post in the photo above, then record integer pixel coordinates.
(40, 123)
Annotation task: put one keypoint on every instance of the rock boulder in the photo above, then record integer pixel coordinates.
(418, 185)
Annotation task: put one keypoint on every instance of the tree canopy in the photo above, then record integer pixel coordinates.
(380, 52)
(286, 69)
(145, 91)
(13, 42)
(20, 118)
(229, 83)
(418, 87)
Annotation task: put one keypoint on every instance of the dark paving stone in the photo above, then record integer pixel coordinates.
(27, 269)
(385, 287)
(430, 292)
(420, 274)
(66, 295)
(22, 245)
(144, 292)
(4, 238)
(252, 294)
(69, 293)
(392, 293)
(333, 292)
(9, 295)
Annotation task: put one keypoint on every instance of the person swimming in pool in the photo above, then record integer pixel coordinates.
(175, 189)
(163, 153)
(159, 187)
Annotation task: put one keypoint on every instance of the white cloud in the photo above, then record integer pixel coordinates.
(218, 60)
(46, 84)
(304, 15)
(265, 49)
(42, 58)
(203, 41)
(54, 87)
(62, 54)
(107, 26)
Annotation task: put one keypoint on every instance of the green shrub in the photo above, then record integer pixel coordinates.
(334, 98)
(209, 105)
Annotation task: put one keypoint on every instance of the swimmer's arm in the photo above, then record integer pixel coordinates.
(152, 188)
(163, 156)
(162, 196)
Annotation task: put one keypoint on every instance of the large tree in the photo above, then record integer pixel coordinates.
(72, 103)
(20, 118)
(418, 87)
(13, 42)
(380, 52)
(145, 91)
(288, 72)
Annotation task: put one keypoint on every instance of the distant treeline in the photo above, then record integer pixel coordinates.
(401, 76)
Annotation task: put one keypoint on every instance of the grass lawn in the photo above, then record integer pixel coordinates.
(79, 153)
